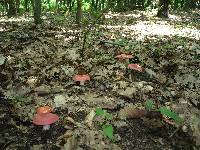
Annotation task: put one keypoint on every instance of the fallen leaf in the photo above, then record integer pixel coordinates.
(71, 144)
(89, 118)
(128, 92)
(2, 59)
(59, 100)
(131, 112)
(66, 135)
(43, 89)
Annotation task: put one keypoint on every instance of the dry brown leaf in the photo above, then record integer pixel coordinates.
(66, 135)
(89, 118)
(131, 112)
(128, 92)
(161, 78)
(71, 144)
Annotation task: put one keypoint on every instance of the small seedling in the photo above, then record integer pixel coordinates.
(19, 100)
(149, 105)
(107, 128)
(103, 113)
(167, 112)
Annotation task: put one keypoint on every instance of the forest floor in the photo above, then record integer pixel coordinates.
(38, 64)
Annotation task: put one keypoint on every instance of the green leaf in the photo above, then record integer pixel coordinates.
(108, 130)
(108, 116)
(170, 114)
(149, 104)
(2, 59)
(99, 112)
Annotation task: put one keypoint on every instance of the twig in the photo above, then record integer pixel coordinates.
(174, 132)
(89, 29)
(112, 43)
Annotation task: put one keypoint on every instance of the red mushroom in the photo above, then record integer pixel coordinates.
(81, 78)
(44, 109)
(137, 68)
(45, 119)
(124, 57)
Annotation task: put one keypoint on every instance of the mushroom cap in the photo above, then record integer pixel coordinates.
(45, 119)
(135, 67)
(124, 56)
(44, 109)
(81, 77)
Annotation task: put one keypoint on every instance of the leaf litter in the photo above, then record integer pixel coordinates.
(37, 67)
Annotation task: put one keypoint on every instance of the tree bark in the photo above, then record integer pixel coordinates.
(11, 8)
(17, 4)
(79, 12)
(163, 11)
(37, 11)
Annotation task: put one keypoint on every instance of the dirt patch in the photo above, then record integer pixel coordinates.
(137, 135)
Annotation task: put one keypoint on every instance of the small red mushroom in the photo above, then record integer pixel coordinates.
(44, 109)
(136, 68)
(45, 119)
(81, 78)
(124, 57)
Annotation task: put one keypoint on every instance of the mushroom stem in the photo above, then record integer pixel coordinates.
(82, 82)
(130, 75)
(46, 127)
(127, 61)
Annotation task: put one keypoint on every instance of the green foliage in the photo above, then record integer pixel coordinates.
(103, 113)
(107, 128)
(122, 41)
(167, 112)
(16, 98)
(49, 5)
(149, 105)
(86, 6)
(99, 112)
(19, 100)
(97, 6)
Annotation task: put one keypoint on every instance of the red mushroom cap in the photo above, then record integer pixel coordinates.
(45, 119)
(44, 109)
(135, 67)
(81, 77)
(124, 56)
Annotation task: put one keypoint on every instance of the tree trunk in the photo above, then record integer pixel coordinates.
(79, 12)
(37, 11)
(176, 4)
(102, 4)
(97, 5)
(92, 5)
(163, 10)
(120, 5)
(17, 4)
(111, 4)
(26, 5)
(11, 8)
(189, 4)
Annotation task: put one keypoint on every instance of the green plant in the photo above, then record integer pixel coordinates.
(149, 105)
(16, 99)
(167, 112)
(107, 128)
